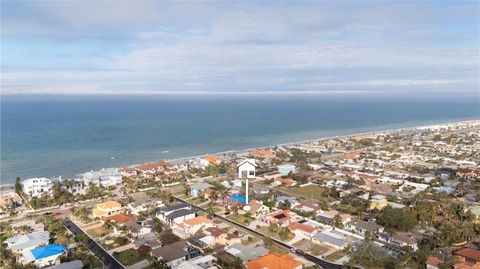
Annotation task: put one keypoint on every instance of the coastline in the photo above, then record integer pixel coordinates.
(182, 159)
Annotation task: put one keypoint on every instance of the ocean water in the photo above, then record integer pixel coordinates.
(53, 136)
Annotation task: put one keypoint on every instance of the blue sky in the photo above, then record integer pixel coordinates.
(151, 47)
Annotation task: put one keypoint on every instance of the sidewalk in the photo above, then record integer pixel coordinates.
(122, 248)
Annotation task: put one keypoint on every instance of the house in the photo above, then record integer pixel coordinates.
(468, 256)
(9, 200)
(43, 256)
(285, 181)
(361, 227)
(257, 209)
(107, 208)
(282, 217)
(221, 237)
(399, 239)
(35, 187)
(29, 241)
(468, 173)
(246, 169)
(173, 254)
(136, 229)
(198, 188)
(204, 262)
(120, 218)
(106, 177)
(302, 229)
(306, 208)
(31, 225)
(274, 261)
(263, 153)
(433, 262)
(378, 202)
(141, 205)
(211, 159)
(175, 214)
(76, 264)
(246, 253)
(272, 175)
(324, 238)
(285, 199)
(149, 239)
(193, 225)
(286, 169)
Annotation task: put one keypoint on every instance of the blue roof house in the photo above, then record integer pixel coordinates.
(44, 256)
(238, 198)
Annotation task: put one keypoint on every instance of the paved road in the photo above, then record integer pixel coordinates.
(108, 260)
(323, 263)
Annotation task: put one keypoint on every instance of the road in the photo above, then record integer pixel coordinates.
(323, 263)
(108, 260)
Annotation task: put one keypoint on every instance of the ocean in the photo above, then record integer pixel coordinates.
(63, 136)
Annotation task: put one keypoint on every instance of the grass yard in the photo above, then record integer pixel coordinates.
(335, 256)
(128, 257)
(97, 232)
(314, 249)
(310, 191)
(276, 249)
(265, 230)
(240, 219)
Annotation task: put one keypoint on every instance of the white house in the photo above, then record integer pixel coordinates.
(43, 256)
(106, 177)
(37, 186)
(246, 168)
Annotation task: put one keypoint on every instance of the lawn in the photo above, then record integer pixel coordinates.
(265, 230)
(314, 249)
(310, 191)
(97, 232)
(128, 257)
(240, 219)
(335, 256)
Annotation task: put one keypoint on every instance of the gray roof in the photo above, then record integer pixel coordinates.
(171, 252)
(330, 239)
(246, 253)
(76, 264)
(174, 207)
(200, 186)
(179, 213)
(364, 225)
(28, 240)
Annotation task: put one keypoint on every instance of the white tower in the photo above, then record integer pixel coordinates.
(246, 170)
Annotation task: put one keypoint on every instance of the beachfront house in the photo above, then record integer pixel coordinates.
(35, 187)
(106, 177)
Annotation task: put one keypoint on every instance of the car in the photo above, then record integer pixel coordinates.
(294, 250)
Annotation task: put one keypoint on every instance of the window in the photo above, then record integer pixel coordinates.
(252, 173)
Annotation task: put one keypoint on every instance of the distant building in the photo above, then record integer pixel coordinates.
(105, 209)
(378, 202)
(285, 169)
(37, 186)
(106, 177)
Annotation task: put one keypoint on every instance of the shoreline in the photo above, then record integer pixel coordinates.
(179, 160)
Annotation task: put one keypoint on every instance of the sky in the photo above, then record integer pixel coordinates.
(200, 48)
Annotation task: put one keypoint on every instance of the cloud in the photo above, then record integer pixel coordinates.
(203, 48)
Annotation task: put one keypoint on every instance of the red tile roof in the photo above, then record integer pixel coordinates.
(469, 253)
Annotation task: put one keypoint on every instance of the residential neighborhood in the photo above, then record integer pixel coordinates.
(401, 199)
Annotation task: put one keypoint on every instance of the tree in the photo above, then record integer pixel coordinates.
(397, 219)
(144, 250)
(267, 241)
(18, 186)
(158, 226)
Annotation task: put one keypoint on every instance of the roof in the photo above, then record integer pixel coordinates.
(212, 159)
(197, 220)
(434, 261)
(28, 240)
(171, 252)
(246, 253)
(175, 207)
(179, 213)
(76, 264)
(108, 205)
(302, 227)
(323, 237)
(469, 253)
(120, 218)
(273, 261)
(254, 206)
(43, 252)
(238, 198)
(369, 226)
(200, 186)
(281, 216)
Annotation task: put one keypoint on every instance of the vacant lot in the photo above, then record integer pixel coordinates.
(311, 191)
(240, 219)
(97, 232)
(314, 249)
(128, 257)
(335, 256)
(266, 231)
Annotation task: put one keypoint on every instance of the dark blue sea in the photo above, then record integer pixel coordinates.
(53, 136)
